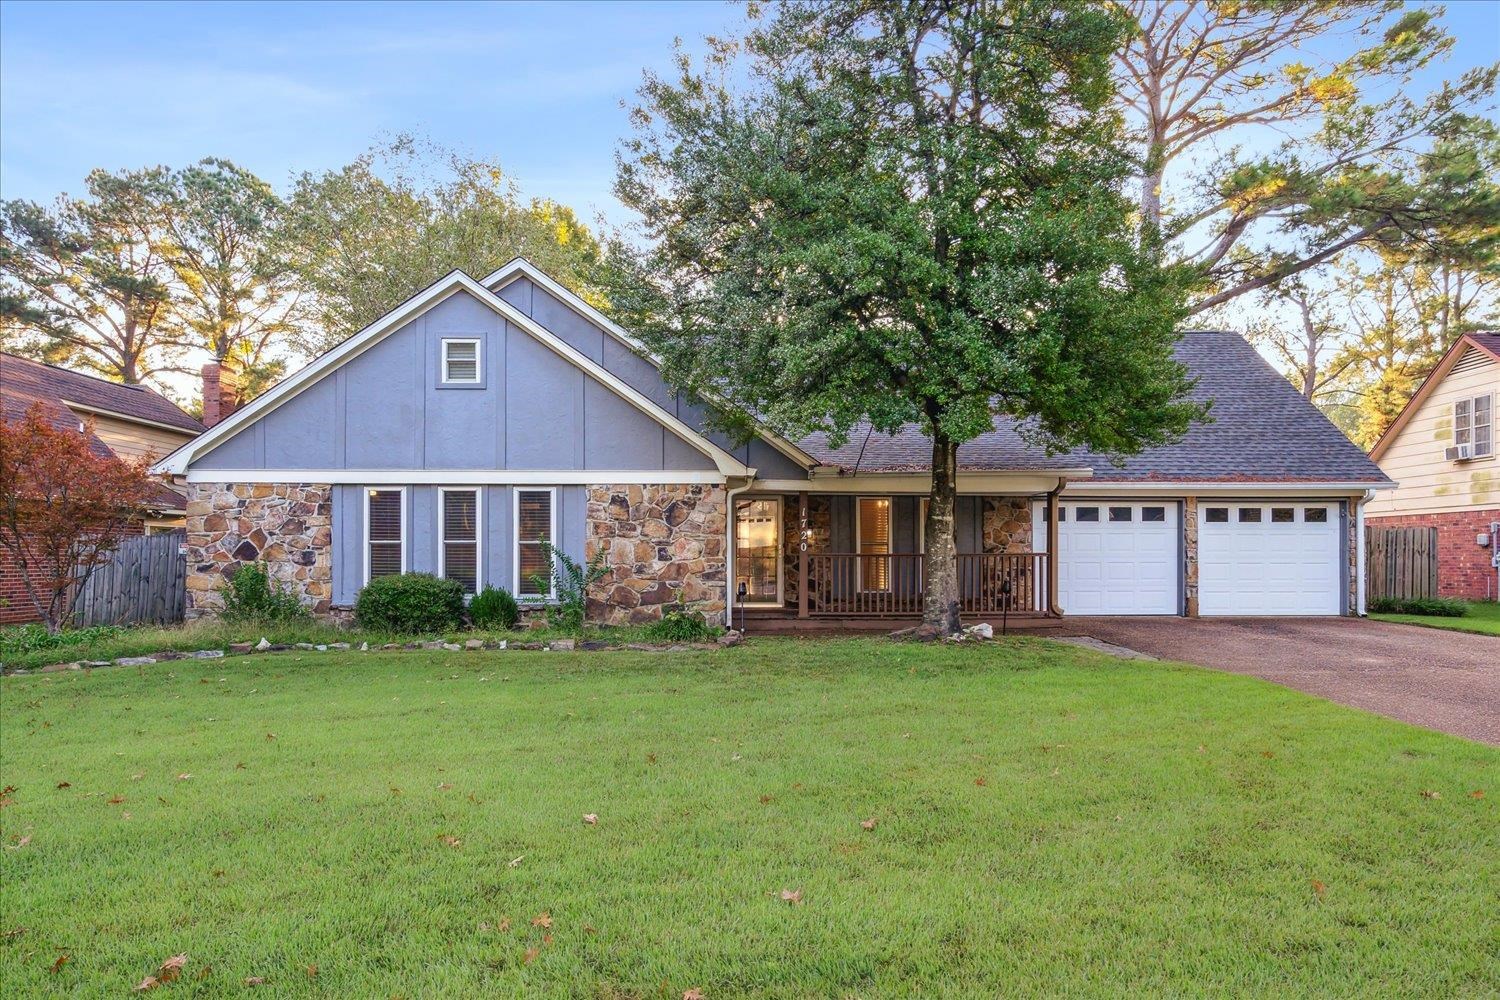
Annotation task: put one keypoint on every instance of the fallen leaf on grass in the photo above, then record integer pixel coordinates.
(692, 994)
(240, 766)
(1268, 755)
(116, 800)
(651, 758)
(867, 824)
(1428, 793)
(473, 799)
(62, 960)
(451, 840)
(530, 956)
(255, 980)
(137, 776)
(312, 971)
(791, 897)
(444, 787)
(64, 784)
(516, 862)
(766, 800)
(1319, 888)
(590, 929)
(270, 736)
(20, 843)
(544, 921)
(149, 983)
(592, 819)
(13, 933)
(203, 973)
(1477, 793)
(980, 782)
(395, 790)
(504, 927)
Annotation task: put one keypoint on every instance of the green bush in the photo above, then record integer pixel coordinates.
(570, 583)
(1442, 607)
(410, 604)
(251, 598)
(494, 608)
(34, 637)
(678, 624)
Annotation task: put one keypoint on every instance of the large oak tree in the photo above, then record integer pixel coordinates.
(908, 211)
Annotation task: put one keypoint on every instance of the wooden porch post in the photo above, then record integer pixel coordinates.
(802, 554)
(1052, 607)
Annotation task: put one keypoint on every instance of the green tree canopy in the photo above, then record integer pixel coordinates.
(908, 211)
(369, 235)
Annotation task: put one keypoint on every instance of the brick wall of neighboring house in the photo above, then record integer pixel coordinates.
(16, 607)
(287, 526)
(1464, 568)
(662, 544)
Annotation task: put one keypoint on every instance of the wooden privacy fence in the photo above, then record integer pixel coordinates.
(1401, 562)
(145, 580)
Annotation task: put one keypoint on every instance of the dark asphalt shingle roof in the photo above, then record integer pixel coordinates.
(1489, 341)
(26, 377)
(1262, 431)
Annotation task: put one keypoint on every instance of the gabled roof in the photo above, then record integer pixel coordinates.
(1262, 430)
(438, 291)
(1487, 343)
(23, 376)
(520, 267)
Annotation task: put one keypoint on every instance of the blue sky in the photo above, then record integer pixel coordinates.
(282, 88)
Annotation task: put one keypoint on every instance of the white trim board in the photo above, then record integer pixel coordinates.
(521, 267)
(458, 477)
(179, 461)
(116, 415)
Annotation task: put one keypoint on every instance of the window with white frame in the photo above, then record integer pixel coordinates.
(458, 536)
(535, 524)
(385, 531)
(460, 360)
(1473, 424)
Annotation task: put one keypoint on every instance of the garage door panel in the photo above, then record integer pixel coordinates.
(1120, 564)
(1266, 566)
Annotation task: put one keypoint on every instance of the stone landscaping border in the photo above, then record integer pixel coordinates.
(728, 639)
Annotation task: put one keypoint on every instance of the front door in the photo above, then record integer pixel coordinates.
(757, 550)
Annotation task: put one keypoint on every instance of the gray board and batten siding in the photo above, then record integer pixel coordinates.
(531, 410)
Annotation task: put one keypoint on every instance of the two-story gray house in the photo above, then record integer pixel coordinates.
(480, 418)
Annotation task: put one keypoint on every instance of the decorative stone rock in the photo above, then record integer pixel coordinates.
(264, 644)
(498, 645)
(529, 645)
(206, 654)
(731, 638)
(167, 654)
(593, 644)
(451, 647)
(661, 545)
(92, 664)
(286, 526)
(434, 644)
(320, 647)
(240, 647)
(391, 645)
(304, 645)
(364, 647)
(564, 644)
(473, 644)
(983, 630)
(338, 645)
(56, 668)
(135, 661)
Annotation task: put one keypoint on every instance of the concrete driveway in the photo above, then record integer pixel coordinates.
(1445, 680)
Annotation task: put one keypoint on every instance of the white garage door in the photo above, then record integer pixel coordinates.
(1117, 558)
(1269, 558)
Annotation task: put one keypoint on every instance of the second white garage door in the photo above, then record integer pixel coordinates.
(1117, 558)
(1269, 558)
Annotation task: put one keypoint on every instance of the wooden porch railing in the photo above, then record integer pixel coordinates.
(848, 584)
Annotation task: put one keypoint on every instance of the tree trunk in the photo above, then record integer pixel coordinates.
(940, 599)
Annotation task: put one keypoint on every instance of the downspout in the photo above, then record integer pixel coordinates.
(1052, 608)
(729, 495)
(1359, 559)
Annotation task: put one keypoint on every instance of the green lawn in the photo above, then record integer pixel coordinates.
(1483, 618)
(1047, 820)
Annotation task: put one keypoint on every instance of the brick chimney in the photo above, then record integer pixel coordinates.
(219, 391)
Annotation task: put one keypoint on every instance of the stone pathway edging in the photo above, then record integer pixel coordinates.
(728, 639)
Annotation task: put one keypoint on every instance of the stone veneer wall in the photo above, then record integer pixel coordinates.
(820, 536)
(286, 526)
(662, 544)
(1190, 556)
(1005, 524)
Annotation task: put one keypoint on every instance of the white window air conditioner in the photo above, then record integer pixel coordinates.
(1459, 452)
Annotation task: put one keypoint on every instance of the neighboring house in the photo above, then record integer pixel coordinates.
(130, 421)
(482, 417)
(1441, 449)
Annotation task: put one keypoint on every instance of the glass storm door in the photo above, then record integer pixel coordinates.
(757, 550)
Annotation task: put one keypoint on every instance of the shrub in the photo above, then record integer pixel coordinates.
(410, 604)
(1442, 607)
(571, 583)
(494, 608)
(678, 624)
(251, 598)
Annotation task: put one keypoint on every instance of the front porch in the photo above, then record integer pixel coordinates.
(821, 562)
